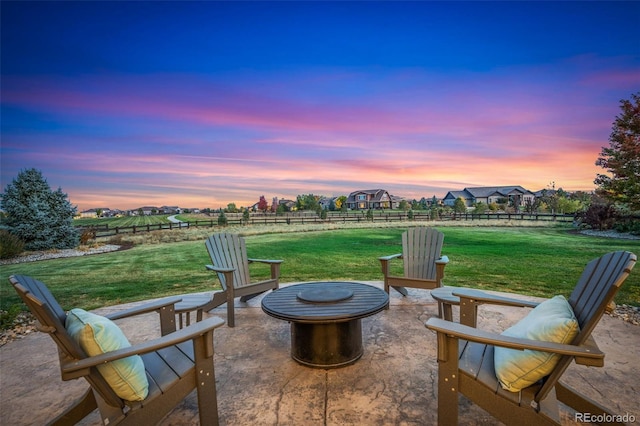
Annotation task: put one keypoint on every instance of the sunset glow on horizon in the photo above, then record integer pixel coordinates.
(202, 104)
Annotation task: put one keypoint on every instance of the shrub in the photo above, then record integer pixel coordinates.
(222, 219)
(88, 234)
(8, 318)
(631, 226)
(10, 245)
(370, 215)
(599, 216)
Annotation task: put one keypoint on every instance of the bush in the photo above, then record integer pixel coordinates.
(8, 318)
(222, 219)
(88, 234)
(599, 216)
(631, 226)
(370, 215)
(10, 245)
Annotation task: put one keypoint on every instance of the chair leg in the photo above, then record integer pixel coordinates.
(572, 398)
(445, 311)
(206, 380)
(230, 311)
(250, 296)
(447, 381)
(403, 291)
(84, 406)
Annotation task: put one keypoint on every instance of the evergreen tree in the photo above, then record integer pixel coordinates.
(622, 158)
(40, 217)
(222, 218)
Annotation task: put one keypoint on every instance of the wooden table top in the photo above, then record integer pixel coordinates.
(325, 302)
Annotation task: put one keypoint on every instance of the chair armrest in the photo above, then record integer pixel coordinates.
(265, 261)
(459, 331)
(443, 260)
(216, 269)
(144, 309)
(79, 368)
(387, 258)
(480, 297)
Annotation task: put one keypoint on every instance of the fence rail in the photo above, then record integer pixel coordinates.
(304, 218)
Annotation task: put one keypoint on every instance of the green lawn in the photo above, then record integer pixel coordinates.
(535, 261)
(123, 221)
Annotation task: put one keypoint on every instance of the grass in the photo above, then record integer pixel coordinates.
(534, 261)
(123, 221)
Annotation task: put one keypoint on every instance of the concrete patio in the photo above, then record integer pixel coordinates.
(394, 383)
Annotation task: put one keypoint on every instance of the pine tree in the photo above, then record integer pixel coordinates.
(40, 217)
(622, 158)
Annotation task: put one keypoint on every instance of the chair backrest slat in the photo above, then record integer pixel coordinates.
(600, 281)
(596, 288)
(421, 247)
(229, 251)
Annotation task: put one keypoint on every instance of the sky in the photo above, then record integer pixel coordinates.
(202, 104)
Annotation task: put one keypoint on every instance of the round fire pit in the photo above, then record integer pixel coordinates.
(325, 319)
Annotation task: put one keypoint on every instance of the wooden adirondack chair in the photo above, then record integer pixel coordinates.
(466, 354)
(228, 253)
(422, 260)
(175, 364)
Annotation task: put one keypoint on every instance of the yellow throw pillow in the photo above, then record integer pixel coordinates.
(551, 321)
(97, 335)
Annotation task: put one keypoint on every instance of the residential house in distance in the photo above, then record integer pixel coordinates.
(146, 211)
(325, 202)
(289, 205)
(170, 210)
(104, 212)
(513, 195)
(372, 199)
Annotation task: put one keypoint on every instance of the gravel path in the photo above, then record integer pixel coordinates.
(54, 254)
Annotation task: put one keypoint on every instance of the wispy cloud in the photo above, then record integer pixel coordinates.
(211, 135)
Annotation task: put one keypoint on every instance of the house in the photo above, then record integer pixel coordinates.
(103, 212)
(289, 205)
(512, 195)
(147, 210)
(170, 210)
(372, 199)
(326, 202)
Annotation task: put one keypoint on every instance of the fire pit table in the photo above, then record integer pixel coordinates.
(325, 319)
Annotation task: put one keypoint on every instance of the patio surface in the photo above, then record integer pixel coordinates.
(394, 383)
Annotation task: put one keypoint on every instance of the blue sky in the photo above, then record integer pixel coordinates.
(201, 104)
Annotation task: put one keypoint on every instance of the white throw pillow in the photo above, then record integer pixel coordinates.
(551, 321)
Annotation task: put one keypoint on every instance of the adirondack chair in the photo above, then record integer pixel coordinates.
(422, 261)
(174, 364)
(467, 356)
(228, 253)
